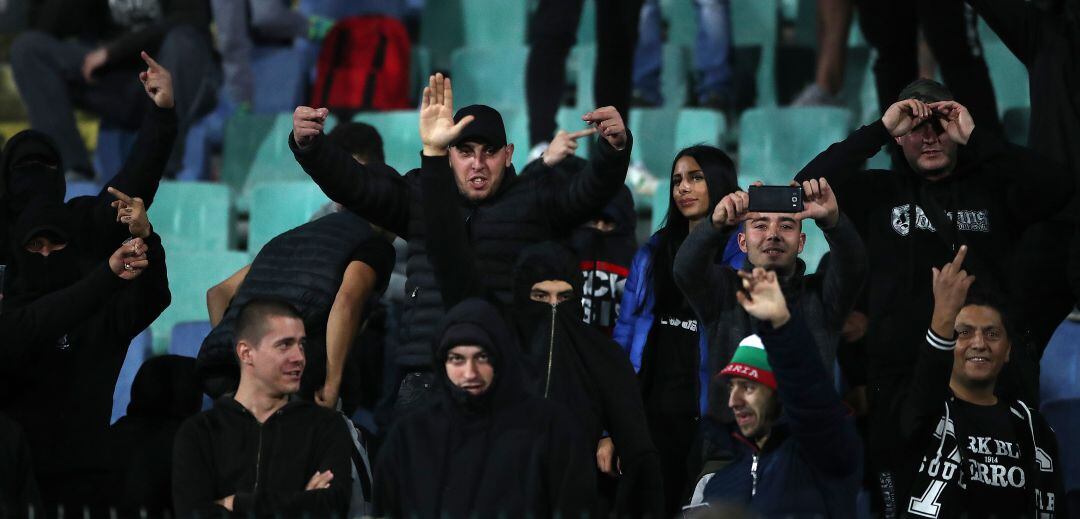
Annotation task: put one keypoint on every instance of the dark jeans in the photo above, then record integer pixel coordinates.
(553, 32)
(48, 73)
(949, 29)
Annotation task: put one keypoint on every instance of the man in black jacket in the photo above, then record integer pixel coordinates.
(505, 212)
(961, 185)
(256, 452)
(483, 447)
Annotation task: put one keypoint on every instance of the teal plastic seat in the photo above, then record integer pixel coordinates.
(400, 131)
(754, 24)
(191, 274)
(698, 126)
(1009, 77)
(775, 143)
(443, 37)
(244, 132)
(654, 138)
(419, 70)
(279, 206)
(494, 22)
(493, 76)
(274, 161)
(193, 216)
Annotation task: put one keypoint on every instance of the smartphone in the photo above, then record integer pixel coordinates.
(775, 199)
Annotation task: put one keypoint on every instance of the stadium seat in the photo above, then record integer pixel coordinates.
(681, 17)
(420, 69)
(193, 216)
(443, 37)
(279, 206)
(138, 351)
(494, 22)
(187, 338)
(698, 126)
(516, 121)
(1059, 376)
(654, 144)
(586, 33)
(400, 134)
(582, 62)
(191, 274)
(243, 134)
(493, 76)
(660, 202)
(1064, 417)
(815, 247)
(1008, 75)
(775, 143)
(754, 24)
(273, 160)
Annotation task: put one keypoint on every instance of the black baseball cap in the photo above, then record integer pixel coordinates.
(925, 90)
(486, 127)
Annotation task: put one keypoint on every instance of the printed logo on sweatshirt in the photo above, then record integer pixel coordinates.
(602, 291)
(966, 220)
(690, 325)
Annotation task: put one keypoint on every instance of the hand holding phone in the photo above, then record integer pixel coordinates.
(776, 199)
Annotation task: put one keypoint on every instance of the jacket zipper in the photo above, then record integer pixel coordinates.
(258, 462)
(551, 353)
(753, 475)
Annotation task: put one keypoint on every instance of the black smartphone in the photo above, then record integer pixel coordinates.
(775, 199)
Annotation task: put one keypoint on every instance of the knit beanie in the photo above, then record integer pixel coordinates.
(751, 362)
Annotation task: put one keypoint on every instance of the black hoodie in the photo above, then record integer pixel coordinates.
(503, 453)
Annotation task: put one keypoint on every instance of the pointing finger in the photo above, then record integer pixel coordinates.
(120, 196)
(581, 133)
(150, 61)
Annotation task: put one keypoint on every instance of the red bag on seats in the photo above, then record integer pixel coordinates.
(363, 65)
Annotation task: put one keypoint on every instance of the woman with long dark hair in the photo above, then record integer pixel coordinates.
(656, 325)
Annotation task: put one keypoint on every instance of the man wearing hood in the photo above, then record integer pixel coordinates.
(71, 339)
(958, 185)
(483, 447)
(506, 212)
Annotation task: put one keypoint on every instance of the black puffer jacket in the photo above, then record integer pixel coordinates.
(525, 210)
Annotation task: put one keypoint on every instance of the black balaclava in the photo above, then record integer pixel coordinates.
(31, 168)
(36, 275)
(545, 261)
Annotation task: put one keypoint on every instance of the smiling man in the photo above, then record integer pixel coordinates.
(953, 183)
(258, 452)
(977, 455)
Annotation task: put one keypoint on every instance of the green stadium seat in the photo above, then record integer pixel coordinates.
(754, 23)
(654, 138)
(273, 160)
(681, 19)
(420, 70)
(698, 126)
(191, 274)
(675, 75)
(775, 143)
(516, 123)
(494, 76)
(280, 206)
(1009, 76)
(660, 202)
(494, 22)
(400, 131)
(193, 216)
(443, 37)
(583, 61)
(586, 33)
(815, 247)
(244, 132)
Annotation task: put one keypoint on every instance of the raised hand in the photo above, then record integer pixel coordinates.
(956, 120)
(951, 284)
(610, 125)
(761, 297)
(320, 480)
(307, 123)
(130, 259)
(437, 128)
(563, 145)
(904, 116)
(327, 396)
(157, 81)
(731, 210)
(819, 203)
(131, 211)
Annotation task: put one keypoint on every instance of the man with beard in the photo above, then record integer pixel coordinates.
(565, 359)
(71, 340)
(957, 185)
(483, 447)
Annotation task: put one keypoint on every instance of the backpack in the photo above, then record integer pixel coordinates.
(363, 65)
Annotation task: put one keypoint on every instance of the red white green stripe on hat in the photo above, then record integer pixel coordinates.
(751, 362)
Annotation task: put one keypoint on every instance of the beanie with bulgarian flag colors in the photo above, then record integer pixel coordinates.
(751, 362)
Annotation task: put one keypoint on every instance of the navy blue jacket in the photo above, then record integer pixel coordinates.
(811, 464)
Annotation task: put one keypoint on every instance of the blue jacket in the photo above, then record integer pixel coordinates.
(636, 312)
(811, 464)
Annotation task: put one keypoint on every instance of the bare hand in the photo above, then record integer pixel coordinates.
(130, 259)
(563, 145)
(131, 212)
(904, 116)
(93, 61)
(307, 123)
(605, 458)
(320, 481)
(327, 396)
(731, 210)
(157, 81)
(761, 297)
(819, 203)
(951, 285)
(226, 502)
(610, 125)
(437, 128)
(955, 119)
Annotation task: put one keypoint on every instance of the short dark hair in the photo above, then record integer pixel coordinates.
(251, 323)
(998, 305)
(359, 139)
